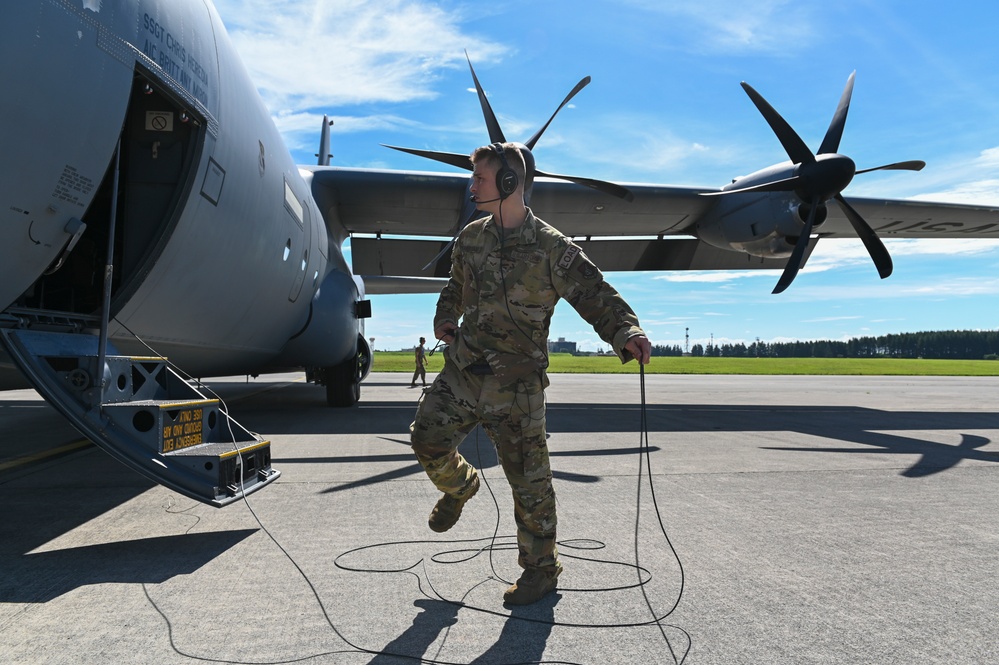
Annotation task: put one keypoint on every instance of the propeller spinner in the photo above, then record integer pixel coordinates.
(816, 178)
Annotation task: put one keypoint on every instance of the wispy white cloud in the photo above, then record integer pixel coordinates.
(643, 147)
(304, 121)
(953, 287)
(826, 319)
(738, 27)
(977, 192)
(710, 276)
(958, 179)
(349, 52)
(847, 249)
(301, 129)
(942, 246)
(943, 287)
(842, 253)
(974, 181)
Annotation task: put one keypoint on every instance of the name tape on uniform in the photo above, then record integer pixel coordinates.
(571, 252)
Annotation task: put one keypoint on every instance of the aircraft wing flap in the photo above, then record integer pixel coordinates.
(397, 257)
(673, 254)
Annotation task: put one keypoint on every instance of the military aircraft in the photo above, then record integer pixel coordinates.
(154, 228)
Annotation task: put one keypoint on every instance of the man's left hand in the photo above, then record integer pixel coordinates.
(640, 347)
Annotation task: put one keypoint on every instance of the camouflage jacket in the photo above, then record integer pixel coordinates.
(505, 295)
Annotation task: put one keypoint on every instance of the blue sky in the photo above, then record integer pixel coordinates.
(665, 106)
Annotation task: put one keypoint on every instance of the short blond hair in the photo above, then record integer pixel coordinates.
(491, 155)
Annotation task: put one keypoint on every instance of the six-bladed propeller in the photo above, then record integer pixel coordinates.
(817, 178)
(496, 135)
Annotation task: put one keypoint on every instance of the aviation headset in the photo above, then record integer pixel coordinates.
(506, 178)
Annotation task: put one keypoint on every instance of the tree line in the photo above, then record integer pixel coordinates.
(944, 344)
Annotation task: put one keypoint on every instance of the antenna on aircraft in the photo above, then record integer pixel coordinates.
(324, 153)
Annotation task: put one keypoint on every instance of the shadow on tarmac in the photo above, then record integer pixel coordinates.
(522, 640)
(34, 518)
(41, 577)
(878, 429)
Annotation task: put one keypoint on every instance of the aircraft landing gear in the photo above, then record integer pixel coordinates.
(343, 381)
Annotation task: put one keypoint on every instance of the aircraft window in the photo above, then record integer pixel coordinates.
(287, 250)
(305, 260)
(293, 204)
(315, 279)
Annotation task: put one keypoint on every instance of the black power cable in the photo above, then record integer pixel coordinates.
(495, 543)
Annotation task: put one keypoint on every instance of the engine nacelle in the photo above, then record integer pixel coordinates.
(762, 225)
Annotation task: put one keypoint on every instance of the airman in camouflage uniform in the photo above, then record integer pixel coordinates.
(508, 272)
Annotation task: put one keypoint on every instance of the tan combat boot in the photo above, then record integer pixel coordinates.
(533, 585)
(448, 509)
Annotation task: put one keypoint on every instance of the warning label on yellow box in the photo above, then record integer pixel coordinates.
(184, 431)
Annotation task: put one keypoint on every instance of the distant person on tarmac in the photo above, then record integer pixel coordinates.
(421, 363)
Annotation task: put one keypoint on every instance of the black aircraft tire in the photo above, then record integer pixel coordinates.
(343, 386)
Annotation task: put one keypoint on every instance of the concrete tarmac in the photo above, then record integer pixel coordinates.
(805, 520)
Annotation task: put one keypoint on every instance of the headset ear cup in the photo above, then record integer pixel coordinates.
(506, 182)
(506, 178)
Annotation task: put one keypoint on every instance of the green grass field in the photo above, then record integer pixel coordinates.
(564, 363)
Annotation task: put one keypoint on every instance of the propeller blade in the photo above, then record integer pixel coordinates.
(585, 81)
(880, 256)
(913, 165)
(794, 263)
(835, 132)
(783, 185)
(492, 124)
(444, 251)
(467, 213)
(793, 145)
(452, 158)
(496, 136)
(599, 185)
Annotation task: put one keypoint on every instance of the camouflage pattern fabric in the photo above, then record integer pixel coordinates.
(503, 289)
(513, 416)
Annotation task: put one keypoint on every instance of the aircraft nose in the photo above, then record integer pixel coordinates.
(63, 109)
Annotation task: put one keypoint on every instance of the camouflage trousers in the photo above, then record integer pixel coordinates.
(514, 418)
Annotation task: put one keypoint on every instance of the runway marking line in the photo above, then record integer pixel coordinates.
(51, 452)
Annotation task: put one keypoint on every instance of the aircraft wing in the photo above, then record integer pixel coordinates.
(428, 203)
(915, 219)
(401, 221)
